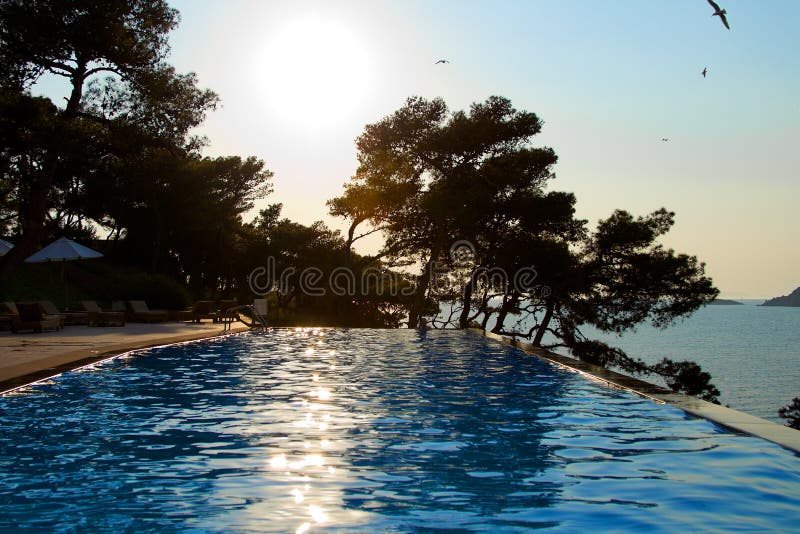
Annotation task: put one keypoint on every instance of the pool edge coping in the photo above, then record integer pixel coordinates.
(70, 361)
(729, 418)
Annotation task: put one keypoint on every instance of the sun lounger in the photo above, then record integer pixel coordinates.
(253, 315)
(31, 316)
(225, 305)
(67, 318)
(7, 317)
(98, 317)
(200, 310)
(260, 309)
(139, 312)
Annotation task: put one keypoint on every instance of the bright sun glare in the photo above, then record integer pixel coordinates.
(314, 73)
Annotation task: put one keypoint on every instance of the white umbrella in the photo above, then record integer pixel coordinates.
(63, 249)
(5, 246)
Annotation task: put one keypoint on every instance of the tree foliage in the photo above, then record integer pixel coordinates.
(791, 412)
(121, 92)
(307, 273)
(428, 177)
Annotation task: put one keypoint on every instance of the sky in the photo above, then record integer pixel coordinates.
(298, 82)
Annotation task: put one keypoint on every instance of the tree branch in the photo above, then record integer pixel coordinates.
(365, 234)
(95, 70)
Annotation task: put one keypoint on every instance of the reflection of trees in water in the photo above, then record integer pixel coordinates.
(453, 424)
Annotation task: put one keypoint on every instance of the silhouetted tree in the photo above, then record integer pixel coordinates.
(26, 128)
(179, 214)
(791, 412)
(428, 179)
(81, 40)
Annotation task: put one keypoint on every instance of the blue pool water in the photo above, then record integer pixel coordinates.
(751, 351)
(370, 431)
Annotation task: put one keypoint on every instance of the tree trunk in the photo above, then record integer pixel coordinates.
(343, 304)
(463, 320)
(155, 259)
(419, 298)
(423, 283)
(485, 321)
(508, 300)
(548, 315)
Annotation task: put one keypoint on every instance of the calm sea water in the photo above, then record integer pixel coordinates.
(371, 431)
(751, 351)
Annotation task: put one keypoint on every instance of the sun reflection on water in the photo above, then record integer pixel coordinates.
(278, 461)
(303, 460)
(317, 513)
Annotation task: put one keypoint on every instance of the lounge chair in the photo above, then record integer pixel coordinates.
(258, 313)
(139, 312)
(225, 305)
(201, 310)
(31, 316)
(67, 318)
(98, 317)
(260, 310)
(7, 317)
(255, 314)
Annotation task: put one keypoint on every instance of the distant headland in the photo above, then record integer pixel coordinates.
(726, 302)
(792, 299)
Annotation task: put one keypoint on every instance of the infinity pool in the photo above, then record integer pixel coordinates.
(370, 431)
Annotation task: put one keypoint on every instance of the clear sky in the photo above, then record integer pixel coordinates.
(609, 78)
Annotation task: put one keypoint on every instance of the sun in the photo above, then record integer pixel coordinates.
(315, 73)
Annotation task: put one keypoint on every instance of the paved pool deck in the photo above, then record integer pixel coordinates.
(26, 358)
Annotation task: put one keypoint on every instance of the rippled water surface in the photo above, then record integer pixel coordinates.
(751, 351)
(370, 431)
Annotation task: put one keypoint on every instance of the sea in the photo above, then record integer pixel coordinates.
(752, 352)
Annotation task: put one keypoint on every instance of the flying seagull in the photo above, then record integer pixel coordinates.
(441, 61)
(719, 13)
(664, 139)
(705, 71)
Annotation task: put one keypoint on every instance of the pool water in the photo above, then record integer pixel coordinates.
(370, 431)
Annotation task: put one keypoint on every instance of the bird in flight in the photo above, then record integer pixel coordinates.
(441, 61)
(719, 13)
(664, 139)
(705, 71)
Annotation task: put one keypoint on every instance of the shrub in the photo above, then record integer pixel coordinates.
(157, 290)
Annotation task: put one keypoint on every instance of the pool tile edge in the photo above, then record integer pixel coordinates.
(784, 436)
